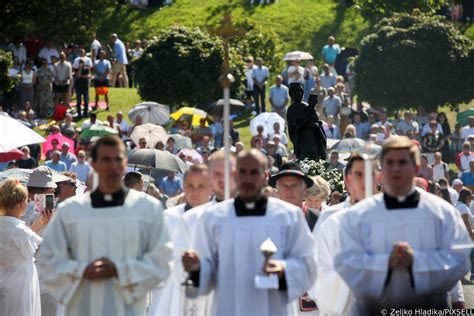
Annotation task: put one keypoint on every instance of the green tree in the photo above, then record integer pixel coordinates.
(413, 61)
(60, 21)
(374, 10)
(259, 42)
(6, 62)
(183, 66)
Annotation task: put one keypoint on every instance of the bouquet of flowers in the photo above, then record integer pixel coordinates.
(320, 168)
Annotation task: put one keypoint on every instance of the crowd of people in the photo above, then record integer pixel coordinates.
(49, 75)
(118, 241)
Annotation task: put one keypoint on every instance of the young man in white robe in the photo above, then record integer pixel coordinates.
(201, 305)
(228, 256)
(333, 296)
(105, 250)
(398, 248)
(169, 297)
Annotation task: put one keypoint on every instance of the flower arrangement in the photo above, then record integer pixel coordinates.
(320, 168)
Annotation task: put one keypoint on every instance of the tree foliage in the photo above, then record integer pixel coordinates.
(6, 62)
(413, 61)
(259, 42)
(374, 10)
(183, 66)
(60, 21)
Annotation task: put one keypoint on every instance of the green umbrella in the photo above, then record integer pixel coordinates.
(463, 117)
(97, 130)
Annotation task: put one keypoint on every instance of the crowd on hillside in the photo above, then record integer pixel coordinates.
(48, 76)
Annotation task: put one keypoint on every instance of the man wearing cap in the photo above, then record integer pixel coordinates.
(66, 188)
(55, 163)
(66, 156)
(228, 257)
(291, 184)
(106, 249)
(398, 249)
(332, 294)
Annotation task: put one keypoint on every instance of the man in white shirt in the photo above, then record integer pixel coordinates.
(96, 47)
(468, 129)
(122, 124)
(48, 51)
(249, 80)
(82, 56)
(62, 79)
(279, 97)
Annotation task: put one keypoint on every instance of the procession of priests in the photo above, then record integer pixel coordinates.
(116, 251)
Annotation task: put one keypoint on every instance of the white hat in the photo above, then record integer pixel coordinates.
(41, 177)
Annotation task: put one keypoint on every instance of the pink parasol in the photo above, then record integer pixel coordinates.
(61, 139)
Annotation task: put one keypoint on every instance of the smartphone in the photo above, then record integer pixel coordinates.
(44, 202)
(49, 202)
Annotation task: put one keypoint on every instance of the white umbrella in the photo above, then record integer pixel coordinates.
(152, 133)
(266, 119)
(298, 55)
(14, 134)
(151, 112)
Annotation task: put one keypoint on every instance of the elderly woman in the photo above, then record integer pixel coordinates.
(19, 287)
(317, 195)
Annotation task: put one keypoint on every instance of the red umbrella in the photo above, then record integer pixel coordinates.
(13, 154)
(61, 139)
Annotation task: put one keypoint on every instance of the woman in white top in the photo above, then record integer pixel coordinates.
(465, 198)
(27, 82)
(19, 287)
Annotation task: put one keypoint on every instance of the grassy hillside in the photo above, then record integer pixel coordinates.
(301, 24)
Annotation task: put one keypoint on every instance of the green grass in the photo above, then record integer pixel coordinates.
(301, 24)
(125, 99)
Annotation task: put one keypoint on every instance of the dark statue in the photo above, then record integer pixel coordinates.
(305, 129)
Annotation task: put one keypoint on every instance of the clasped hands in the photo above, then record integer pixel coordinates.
(100, 269)
(401, 255)
(191, 263)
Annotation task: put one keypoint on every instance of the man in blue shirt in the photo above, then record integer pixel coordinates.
(101, 78)
(171, 185)
(260, 76)
(279, 97)
(468, 176)
(55, 163)
(121, 62)
(330, 52)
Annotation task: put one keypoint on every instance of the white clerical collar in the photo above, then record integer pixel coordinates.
(108, 197)
(250, 205)
(403, 198)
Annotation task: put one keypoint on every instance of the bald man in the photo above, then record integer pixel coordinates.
(227, 255)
